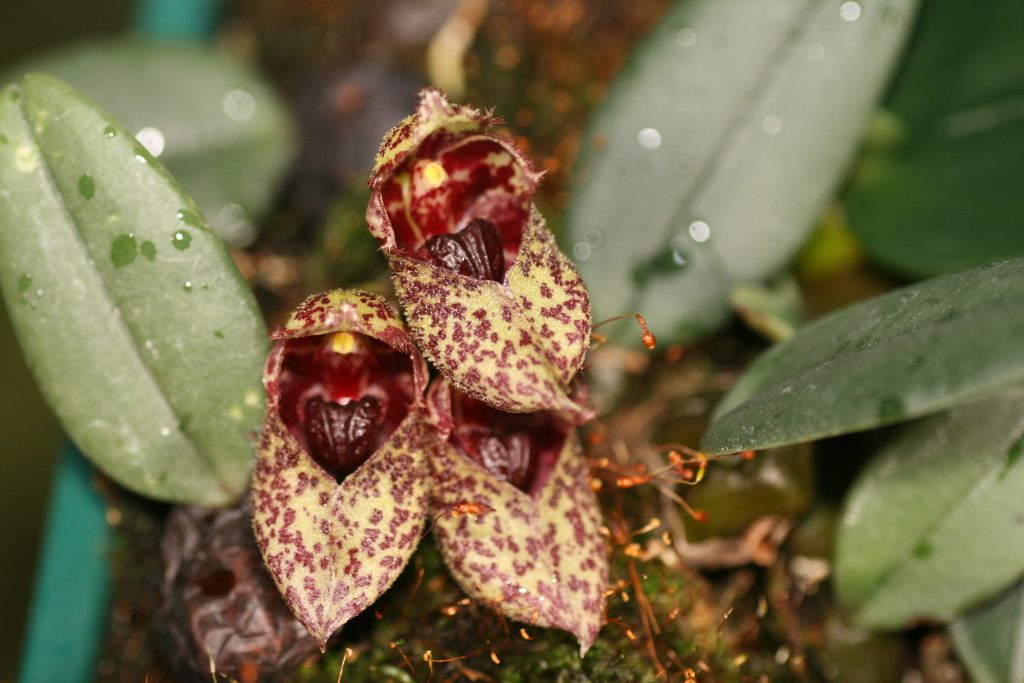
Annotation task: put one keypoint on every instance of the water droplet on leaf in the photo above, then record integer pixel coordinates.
(686, 36)
(24, 282)
(123, 250)
(189, 218)
(148, 250)
(109, 132)
(152, 139)
(850, 10)
(649, 138)
(87, 186)
(181, 240)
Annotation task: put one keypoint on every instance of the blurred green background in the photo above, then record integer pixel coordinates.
(30, 435)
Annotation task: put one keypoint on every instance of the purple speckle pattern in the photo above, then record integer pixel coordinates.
(515, 345)
(538, 559)
(333, 548)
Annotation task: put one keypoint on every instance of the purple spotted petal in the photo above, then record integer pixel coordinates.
(334, 541)
(536, 558)
(333, 549)
(515, 345)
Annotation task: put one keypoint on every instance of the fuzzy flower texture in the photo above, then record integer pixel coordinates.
(358, 454)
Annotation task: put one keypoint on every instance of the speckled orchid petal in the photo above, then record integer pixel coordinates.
(333, 547)
(536, 557)
(516, 344)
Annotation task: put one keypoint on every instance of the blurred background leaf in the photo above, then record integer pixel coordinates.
(932, 525)
(907, 353)
(943, 193)
(212, 120)
(990, 640)
(137, 325)
(718, 148)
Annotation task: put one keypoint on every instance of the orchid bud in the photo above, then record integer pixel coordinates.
(488, 296)
(532, 549)
(340, 490)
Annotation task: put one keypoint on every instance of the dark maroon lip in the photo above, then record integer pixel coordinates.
(343, 398)
(448, 183)
(520, 448)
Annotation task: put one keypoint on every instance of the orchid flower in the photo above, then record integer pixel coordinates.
(341, 485)
(515, 517)
(489, 298)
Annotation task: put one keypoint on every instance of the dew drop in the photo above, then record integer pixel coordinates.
(649, 138)
(699, 231)
(620, 169)
(181, 240)
(924, 549)
(86, 186)
(189, 218)
(238, 105)
(686, 36)
(218, 334)
(893, 19)
(123, 250)
(772, 124)
(582, 251)
(187, 286)
(814, 51)
(24, 282)
(15, 96)
(152, 139)
(109, 132)
(683, 165)
(850, 10)
(593, 237)
(39, 292)
(148, 250)
(678, 257)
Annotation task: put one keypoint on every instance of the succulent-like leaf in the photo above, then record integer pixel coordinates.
(942, 192)
(219, 128)
(515, 345)
(990, 640)
(141, 333)
(720, 144)
(334, 547)
(907, 353)
(932, 526)
(535, 556)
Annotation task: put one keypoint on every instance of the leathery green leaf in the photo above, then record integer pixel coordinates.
(913, 351)
(718, 148)
(990, 640)
(932, 526)
(944, 194)
(218, 127)
(142, 334)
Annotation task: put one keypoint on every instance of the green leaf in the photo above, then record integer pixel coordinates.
(225, 134)
(990, 641)
(945, 195)
(910, 352)
(773, 310)
(932, 526)
(719, 147)
(141, 333)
